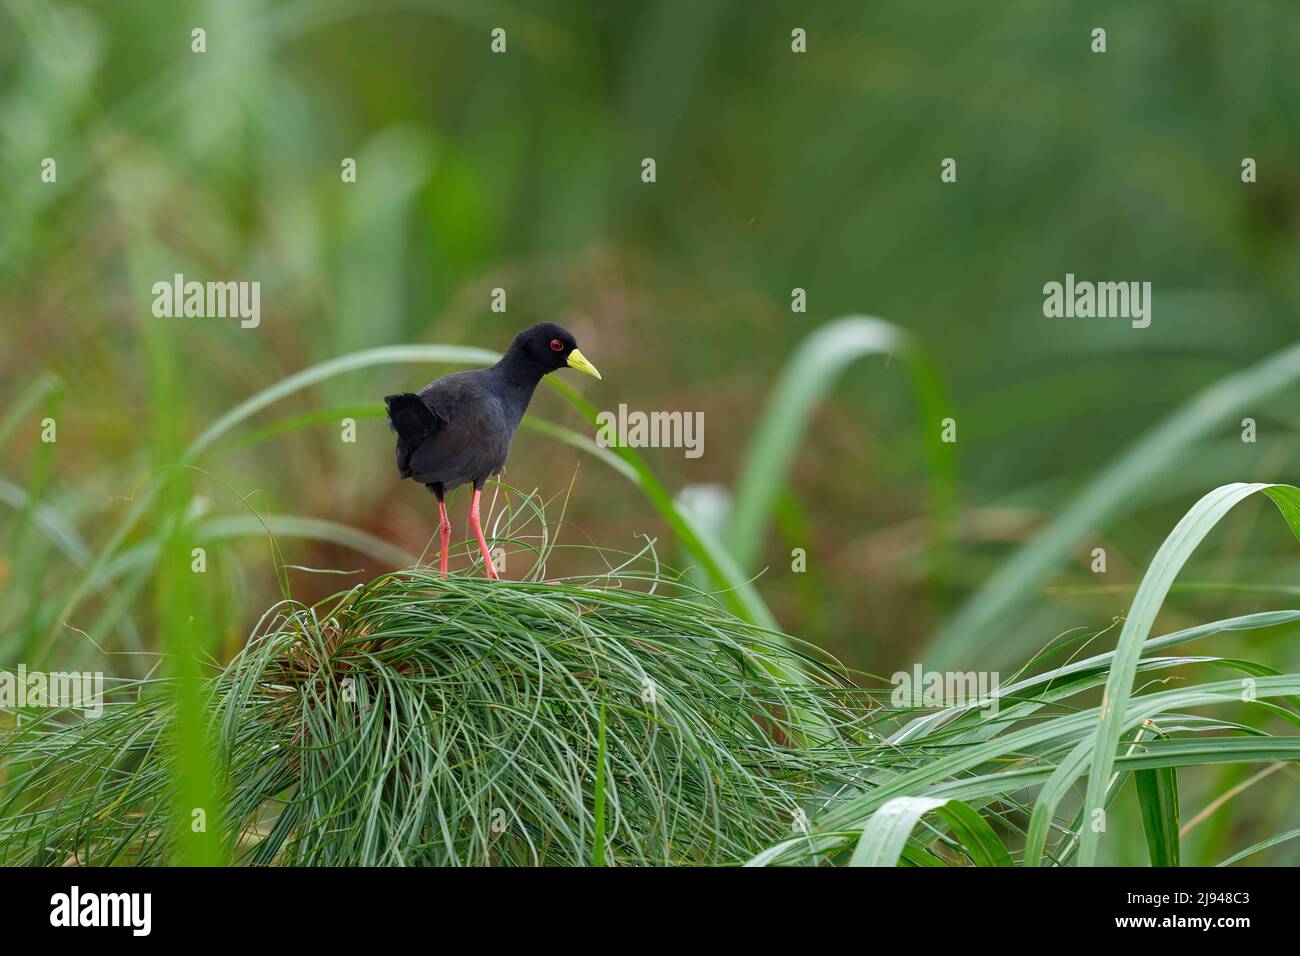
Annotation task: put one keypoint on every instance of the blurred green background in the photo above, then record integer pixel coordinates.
(775, 170)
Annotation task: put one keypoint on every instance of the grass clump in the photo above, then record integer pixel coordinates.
(418, 720)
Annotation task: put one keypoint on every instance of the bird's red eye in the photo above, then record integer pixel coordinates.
(557, 345)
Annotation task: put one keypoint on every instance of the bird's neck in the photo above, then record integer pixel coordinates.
(518, 378)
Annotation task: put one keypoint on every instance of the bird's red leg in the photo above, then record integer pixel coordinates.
(444, 532)
(478, 533)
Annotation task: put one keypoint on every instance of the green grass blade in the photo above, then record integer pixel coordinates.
(885, 835)
(886, 832)
(1158, 799)
(973, 832)
(1261, 845)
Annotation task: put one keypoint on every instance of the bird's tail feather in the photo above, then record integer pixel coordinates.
(413, 421)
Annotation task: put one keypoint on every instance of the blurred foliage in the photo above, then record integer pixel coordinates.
(775, 171)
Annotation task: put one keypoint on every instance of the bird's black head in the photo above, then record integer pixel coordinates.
(548, 347)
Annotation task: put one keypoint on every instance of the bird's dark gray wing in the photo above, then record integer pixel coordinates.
(468, 446)
(415, 423)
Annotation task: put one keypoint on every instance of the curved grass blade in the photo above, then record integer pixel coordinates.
(885, 835)
(1169, 560)
(1152, 455)
(1261, 845)
(808, 376)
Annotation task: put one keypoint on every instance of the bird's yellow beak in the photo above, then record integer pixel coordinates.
(579, 361)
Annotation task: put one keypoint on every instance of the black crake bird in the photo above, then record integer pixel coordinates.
(458, 429)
